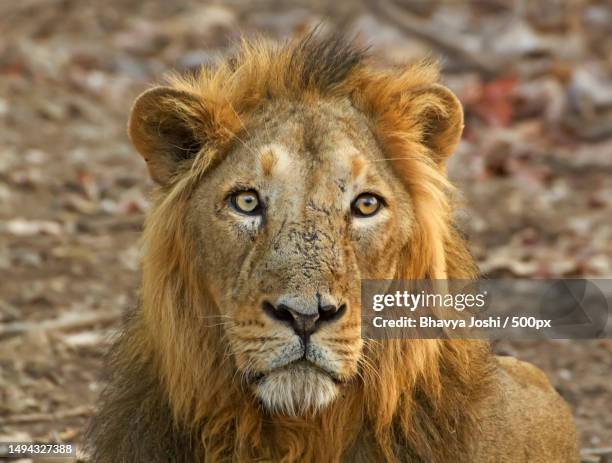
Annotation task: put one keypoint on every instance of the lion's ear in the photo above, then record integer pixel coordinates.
(167, 128)
(441, 117)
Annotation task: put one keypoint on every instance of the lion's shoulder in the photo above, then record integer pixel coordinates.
(524, 419)
(523, 374)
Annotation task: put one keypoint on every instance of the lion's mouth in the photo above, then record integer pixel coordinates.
(296, 365)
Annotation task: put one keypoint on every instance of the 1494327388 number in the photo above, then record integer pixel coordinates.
(36, 449)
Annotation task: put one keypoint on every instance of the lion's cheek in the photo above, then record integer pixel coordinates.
(376, 252)
(341, 359)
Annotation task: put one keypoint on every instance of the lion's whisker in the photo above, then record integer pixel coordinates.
(215, 316)
(403, 158)
(219, 324)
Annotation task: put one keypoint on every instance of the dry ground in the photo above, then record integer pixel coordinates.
(535, 168)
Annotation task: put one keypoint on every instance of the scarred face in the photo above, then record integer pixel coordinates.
(304, 206)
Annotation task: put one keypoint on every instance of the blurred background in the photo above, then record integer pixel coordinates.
(535, 165)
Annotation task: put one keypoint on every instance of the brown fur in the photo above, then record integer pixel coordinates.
(175, 394)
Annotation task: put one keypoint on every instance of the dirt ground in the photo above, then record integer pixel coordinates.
(535, 79)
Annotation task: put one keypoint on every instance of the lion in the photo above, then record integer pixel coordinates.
(285, 175)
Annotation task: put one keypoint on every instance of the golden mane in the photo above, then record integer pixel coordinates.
(411, 394)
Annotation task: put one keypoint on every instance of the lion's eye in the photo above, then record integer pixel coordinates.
(366, 205)
(246, 202)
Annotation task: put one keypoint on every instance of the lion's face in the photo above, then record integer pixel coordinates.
(301, 209)
(286, 176)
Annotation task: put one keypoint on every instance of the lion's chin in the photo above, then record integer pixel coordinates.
(296, 390)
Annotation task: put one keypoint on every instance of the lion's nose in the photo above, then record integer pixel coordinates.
(303, 323)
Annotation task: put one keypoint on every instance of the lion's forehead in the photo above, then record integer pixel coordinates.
(304, 184)
(319, 153)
